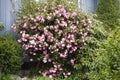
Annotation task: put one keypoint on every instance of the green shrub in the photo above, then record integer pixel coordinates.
(113, 50)
(108, 12)
(90, 59)
(10, 59)
(104, 62)
(4, 76)
(1, 26)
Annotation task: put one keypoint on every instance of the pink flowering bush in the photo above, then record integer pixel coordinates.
(53, 38)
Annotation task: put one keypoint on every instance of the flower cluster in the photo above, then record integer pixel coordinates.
(53, 38)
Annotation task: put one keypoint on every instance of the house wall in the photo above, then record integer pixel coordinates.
(88, 6)
(6, 10)
(6, 13)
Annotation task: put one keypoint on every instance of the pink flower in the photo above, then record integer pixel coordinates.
(33, 27)
(48, 18)
(89, 21)
(68, 73)
(72, 61)
(45, 31)
(41, 38)
(63, 23)
(66, 15)
(50, 76)
(65, 75)
(36, 48)
(45, 60)
(51, 27)
(73, 14)
(60, 32)
(86, 33)
(56, 28)
(31, 59)
(74, 31)
(25, 25)
(49, 60)
(45, 52)
(54, 75)
(63, 55)
(40, 18)
(77, 22)
(24, 39)
(19, 41)
(32, 42)
(74, 48)
(68, 46)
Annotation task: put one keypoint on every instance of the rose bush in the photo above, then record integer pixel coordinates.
(53, 38)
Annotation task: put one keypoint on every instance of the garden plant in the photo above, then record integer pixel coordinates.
(67, 43)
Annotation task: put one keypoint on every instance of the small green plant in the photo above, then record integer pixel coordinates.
(10, 59)
(4, 76)
(1, 26)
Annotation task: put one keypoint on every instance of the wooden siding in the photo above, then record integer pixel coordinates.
(88, 6)
(6, 13)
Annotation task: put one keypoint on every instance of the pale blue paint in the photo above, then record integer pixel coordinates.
(88, 6)
(6, 13)
(7, 18)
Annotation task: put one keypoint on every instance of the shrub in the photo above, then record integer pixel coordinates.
(113, 50)
(10, 59)
(53, 35)
(108, 12)
(89, 61)
(103, 60)
(1, 26)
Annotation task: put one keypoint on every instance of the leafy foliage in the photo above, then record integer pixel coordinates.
(1, 26)
(10, 59)
(113, 50)
(91, 59)
(98, 59)
(108, 12)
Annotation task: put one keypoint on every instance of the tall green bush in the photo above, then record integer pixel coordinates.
(108, 12)
(10, 59)
(105, 62)
(113, 50)
(90, 59)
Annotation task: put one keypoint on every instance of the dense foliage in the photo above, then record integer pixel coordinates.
(10, 59)
(65, 42)
(113, 50)
(53, 37)
(1, 26)
(108, 11)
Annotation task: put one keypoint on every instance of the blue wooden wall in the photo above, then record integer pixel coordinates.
(88, 6)
(6, 15)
